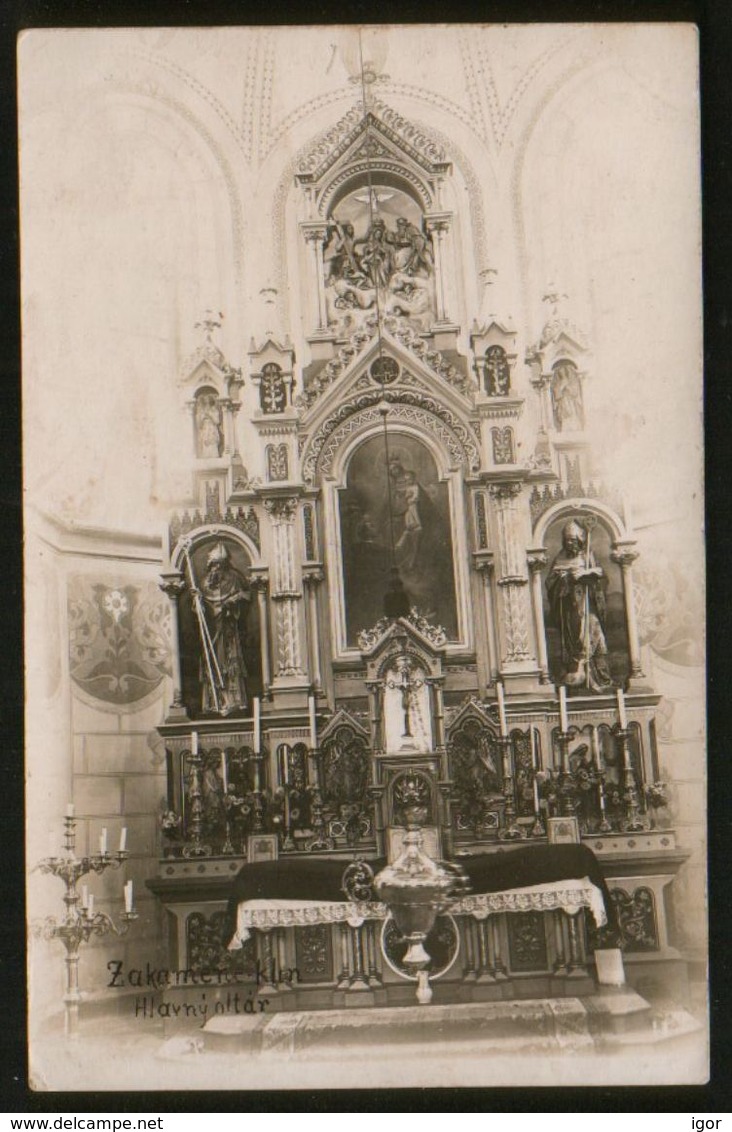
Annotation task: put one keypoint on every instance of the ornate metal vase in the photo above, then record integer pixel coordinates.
(416, 890)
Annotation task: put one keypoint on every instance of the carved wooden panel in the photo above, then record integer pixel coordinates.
(314, 953)
(527, 941)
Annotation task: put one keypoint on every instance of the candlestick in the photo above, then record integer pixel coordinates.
(622, 717)
(311, 715)
(257, 726)
(103, 841)
(194, 742)
(223, 772)
(502, 709)
(563, 718)
(534, 767)
(123, 839)
(70, 810)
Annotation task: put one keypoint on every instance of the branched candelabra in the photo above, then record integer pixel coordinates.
(80, 921)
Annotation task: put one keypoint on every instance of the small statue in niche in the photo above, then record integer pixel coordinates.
(577, 598)
(496, 372)
(225, 595)
(272, 395)
(566, 391)
(208, 425)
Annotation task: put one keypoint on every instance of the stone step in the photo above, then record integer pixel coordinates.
(540, 1023)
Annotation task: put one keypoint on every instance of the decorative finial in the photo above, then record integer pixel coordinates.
(209, 323)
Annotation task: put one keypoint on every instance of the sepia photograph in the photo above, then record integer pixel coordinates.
(364, 556)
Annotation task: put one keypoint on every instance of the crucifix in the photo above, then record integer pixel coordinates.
(406, 685)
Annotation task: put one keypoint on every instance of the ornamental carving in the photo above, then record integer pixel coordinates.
(346, 771)
(541, 499)
(313, 953)
(281, 510)
(244, 519)
(272, 392)
(405, 406)
(481, 524)
(308, 526)
(503, 446)
(276, 462)
(496, 372)
(206, 953)
(435, 634)
(636, 919)
(527, 941)
(475, 769)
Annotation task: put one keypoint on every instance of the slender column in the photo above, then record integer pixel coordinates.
(576, 944)
(625, 557)
(467, 927)
(537, 560)
(499, 967)
(512, 579)
(315, 235)
(486, 960)
(484, 566)
(560, 965)
(173, 586)
(260, 583)
(344, 978)
(228, 409)
(312, 576)
(374, 978)
(437, 226)
(284, 592)
(358, 982)
(267, 960)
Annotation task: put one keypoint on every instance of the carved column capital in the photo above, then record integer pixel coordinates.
(281, 509)
(312, 576)
(172, 584)
(623, 555)
(314, 231)
(537, 559)
(484, 563)
(259, 580)
(503, 492)
(438, 222)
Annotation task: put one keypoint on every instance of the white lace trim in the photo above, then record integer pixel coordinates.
(570, 896)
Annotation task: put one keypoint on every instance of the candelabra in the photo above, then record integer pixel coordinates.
(194, 846)
(633, 823)
(512, 832)
(604, 826)
(80, 922)
(321, 840)
(567, 794)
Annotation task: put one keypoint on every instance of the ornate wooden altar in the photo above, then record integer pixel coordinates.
(299, 710)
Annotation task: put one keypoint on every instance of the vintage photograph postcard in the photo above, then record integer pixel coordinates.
(364, 561)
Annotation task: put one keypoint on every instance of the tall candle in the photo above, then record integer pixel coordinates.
(311, 715)
(194, 742)
(128, 896)
(123, 839)
(534, 764)
(70, 810)
(90, 905)
(622, 717)
(257, 726)
(563, 719)
(502, 709)
(596, 748)
(223, 771)
(103, 841)
(285, 768)
(85, 896)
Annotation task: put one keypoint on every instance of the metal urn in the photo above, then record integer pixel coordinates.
(417, 889)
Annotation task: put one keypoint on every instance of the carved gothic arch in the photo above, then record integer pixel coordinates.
(572, 507)
(197, 537)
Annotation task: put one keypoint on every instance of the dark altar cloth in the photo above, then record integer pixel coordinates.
(303, 878)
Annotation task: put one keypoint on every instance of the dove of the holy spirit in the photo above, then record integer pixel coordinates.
(373, 197)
